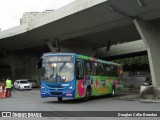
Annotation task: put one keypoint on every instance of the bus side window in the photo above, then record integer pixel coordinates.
(94, 68)
(114, 71)
(80, 72)
(100, 69)
(87, 68)
(107, 70)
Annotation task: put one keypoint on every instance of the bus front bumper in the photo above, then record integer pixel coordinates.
(70, 94)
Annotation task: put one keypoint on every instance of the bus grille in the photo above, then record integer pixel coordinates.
(55, 86)
(56, 93)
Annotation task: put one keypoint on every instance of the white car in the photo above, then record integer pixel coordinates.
(22, 85)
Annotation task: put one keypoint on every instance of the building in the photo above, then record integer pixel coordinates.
(29, 16)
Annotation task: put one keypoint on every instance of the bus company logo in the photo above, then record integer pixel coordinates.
(6, 114)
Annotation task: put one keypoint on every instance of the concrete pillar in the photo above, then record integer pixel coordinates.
(151, 36)
(12, 62)
(63, 49)
(50, 46)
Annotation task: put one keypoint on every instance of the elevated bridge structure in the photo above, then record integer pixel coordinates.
(84, 26)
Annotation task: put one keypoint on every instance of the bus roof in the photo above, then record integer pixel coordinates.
(96, 60)
(82, 57)
(50, 54)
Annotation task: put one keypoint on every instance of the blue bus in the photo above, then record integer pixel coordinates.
(67, 75)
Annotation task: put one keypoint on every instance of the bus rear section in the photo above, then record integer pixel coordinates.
(95, 77)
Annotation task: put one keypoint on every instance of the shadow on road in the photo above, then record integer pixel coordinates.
(77, 101)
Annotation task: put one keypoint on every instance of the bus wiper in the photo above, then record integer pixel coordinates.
(60, 69)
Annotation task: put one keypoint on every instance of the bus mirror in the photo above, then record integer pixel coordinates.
(39, 64)
(57, 44)
(79, 77)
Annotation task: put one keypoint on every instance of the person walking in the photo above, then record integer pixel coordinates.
(8, 86)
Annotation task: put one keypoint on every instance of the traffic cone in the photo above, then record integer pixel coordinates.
(1, 92)
(4, 92)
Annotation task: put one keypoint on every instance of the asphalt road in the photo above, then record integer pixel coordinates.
(31, 101)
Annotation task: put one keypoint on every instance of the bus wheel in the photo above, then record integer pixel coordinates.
(59, 99)
(113, 91)
(88, 94)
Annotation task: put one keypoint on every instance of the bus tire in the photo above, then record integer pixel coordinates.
(88, 94)
(59, 99)
(113, 91)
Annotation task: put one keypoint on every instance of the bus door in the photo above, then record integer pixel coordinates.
(80, 69)
(80, 79)
(88, 76)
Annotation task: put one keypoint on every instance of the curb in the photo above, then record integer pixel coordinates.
(150, 100)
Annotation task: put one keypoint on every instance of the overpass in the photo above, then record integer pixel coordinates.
(86, 25)
(122, 49)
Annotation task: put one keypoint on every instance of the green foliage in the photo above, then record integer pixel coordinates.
(133, 60)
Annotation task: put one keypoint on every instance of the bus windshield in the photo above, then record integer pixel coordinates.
(60, 71)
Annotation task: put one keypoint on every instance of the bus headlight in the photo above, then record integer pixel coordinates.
(43, 88)
(70, 88)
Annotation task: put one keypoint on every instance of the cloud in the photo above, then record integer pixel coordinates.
(12, 10)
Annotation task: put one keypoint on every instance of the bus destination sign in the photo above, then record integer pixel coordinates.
(60, 59)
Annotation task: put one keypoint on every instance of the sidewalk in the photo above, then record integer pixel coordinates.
(134, 95)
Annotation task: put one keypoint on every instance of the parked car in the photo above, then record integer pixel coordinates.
(34, 83)
(22, 84)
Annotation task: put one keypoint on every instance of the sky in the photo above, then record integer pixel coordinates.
(12, 10)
